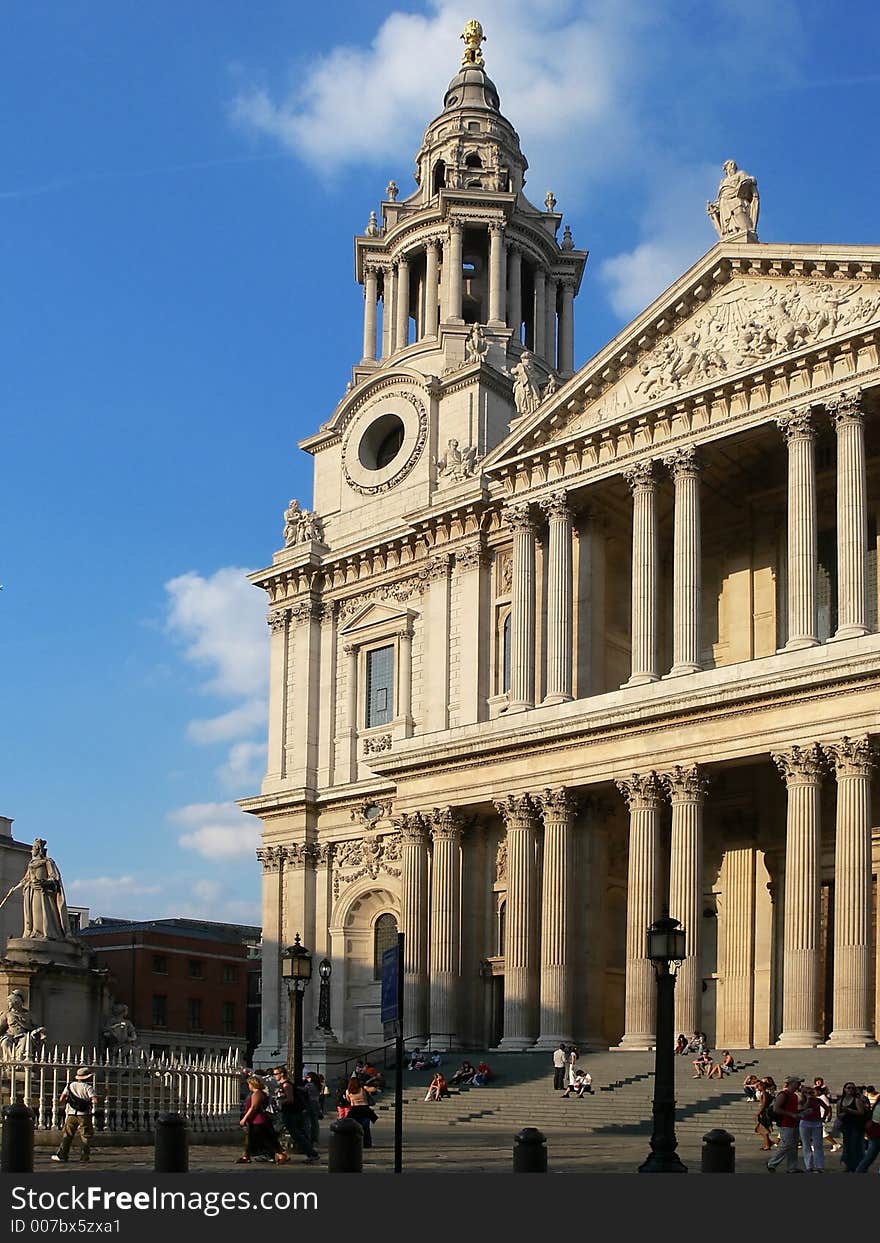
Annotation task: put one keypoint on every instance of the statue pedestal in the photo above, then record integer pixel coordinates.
(62, 988)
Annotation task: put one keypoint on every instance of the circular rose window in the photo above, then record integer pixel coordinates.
(384, 441)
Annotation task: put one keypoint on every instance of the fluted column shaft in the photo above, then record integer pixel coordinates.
(852, 516)
(514, 295)
(566, 329)
(539, 334)
(643, 795)
(452, 272)
(645, 557)
(550, 329)
(414, 923)
(560, 626)
(520, 958)
(853, 1021)
(497, 275)
(371, 295)
(738, 886)
(432, 288)
(445, 926)
(801, 768)
(522, 621)
(401, 333)
(803, 553)
(387, 311)
(557, 808)
(687, 794)
(687, 589)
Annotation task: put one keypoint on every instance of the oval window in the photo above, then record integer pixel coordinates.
(381, 442)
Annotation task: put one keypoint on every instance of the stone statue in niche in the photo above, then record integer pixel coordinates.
(457, 463)
(476, 346)
(736, 208)
(301, 525)
(526, 389)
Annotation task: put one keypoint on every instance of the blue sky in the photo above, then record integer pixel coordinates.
(179, 189)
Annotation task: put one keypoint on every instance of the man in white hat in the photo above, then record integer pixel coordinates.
(79, 1099)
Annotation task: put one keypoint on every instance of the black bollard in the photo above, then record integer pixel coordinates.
(529, 1151)
(172, 1145)
(345, 1148)
(719, 1156)
(17, 1154)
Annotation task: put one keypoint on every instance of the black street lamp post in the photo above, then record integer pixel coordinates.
(296, 971)
(325, 970)
(666, 950)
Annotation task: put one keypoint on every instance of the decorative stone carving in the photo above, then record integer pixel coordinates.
(400, 592)
(437, 568)
(640, 475)
(391, 191)
(372, 229)
(796, 423)
(304, 611)
(846, 408)
(800, 765)
(683, 462)
(298, 854)
(519, 517)
(376, 744)
(277, 620)
(349, 454)
(556, 505)
(550, 201)
(501, 862)
(751, 321)
(469, 556)
(476, 346)
(446, 823)
(19, 1034)
(642, 791)
(685, 783)
(301, 526)
(42, 893)
(120, 1035)
(526, 388)
(736, 208)
(550, 387)
(504, 562)
(413, 828)
(521, 807)
(271, 857)
(457, 464)
(851, 757)
(366, 857)
(370, 813)
(557, 804)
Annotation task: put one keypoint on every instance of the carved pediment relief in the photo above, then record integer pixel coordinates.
(747, 324)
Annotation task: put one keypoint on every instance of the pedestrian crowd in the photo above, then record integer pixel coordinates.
(804, 1117)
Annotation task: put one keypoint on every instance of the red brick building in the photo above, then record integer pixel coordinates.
(190, 985)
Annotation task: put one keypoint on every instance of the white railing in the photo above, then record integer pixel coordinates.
(132, 1088)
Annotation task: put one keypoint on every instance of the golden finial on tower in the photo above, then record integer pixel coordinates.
(473, 36)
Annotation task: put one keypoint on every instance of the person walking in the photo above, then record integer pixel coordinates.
(852, 1110)
(294, 1105)
(786, 1107)
(813, 1112)
(79, 1099)
(314, 1090)
(559, 1068)
(261, 1142)
(360, 1108)
(764, 1114)
(872, 1136)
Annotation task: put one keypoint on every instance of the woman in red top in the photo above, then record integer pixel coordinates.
(260, 1141)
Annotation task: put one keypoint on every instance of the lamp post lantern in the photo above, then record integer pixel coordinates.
(296, 971)
(325, 970)
(666, 950)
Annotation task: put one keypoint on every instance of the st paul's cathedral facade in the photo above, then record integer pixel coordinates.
(557, 648)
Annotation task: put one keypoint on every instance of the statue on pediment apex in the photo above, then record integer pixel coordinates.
(736, 208)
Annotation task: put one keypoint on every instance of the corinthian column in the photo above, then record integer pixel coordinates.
(643, 486)
(497, 274)
(557, 809)
(852, 515)
(559, 599)
(452, 273)
(539, 314)
(271, 859)
(801, 768)
(432, 288)
(522, 620)
(684, 467)
(686, 789)
(401, 334)
(414, 923)
(853, 762)
(803, 555)
(387, 311)
(445, 925)
(370, 307)
(643, 796)
(514, 297)
(550, 330)
(520, 958)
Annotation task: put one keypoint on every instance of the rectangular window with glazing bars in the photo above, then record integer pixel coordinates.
(380, 686)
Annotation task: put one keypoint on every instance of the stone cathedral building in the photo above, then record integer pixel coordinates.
(556, 647)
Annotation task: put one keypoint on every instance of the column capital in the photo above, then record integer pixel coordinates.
(514, 248)
(277, 619)
(558, 804)
(433, 243)
(497, 226)
(372, 269)
(469, 556)
(641, 476)
(270, 857)
(401, 261)
(800, 765)
(305, 611)
(413, 828)
(455, 227)
(797, 424)
(436, 568)
(298, 854)
(685, 783)
(845, 408)
(517, 810)
(851, 757)
(683, 463)
(556, 505)
(519, 518)
(446, 824)
(642, 791)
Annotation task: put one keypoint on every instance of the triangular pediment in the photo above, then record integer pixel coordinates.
(375, 615)
(742, 308)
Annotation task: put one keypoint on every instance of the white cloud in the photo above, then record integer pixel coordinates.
(87, 890)
(244, 766)
(220, 619)
(244, 719)
(217, 830)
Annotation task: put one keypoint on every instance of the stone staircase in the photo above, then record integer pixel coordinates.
(522, 1093)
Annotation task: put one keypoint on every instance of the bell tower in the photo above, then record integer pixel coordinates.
(464, 280)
